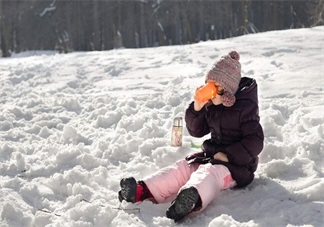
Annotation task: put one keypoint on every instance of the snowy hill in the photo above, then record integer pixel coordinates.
(71, 126)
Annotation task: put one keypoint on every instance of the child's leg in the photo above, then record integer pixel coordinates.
(165, 183)
(209, 179)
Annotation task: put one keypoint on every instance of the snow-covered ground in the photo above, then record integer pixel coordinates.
(73, 125)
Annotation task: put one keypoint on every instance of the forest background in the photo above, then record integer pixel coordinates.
(89, 25)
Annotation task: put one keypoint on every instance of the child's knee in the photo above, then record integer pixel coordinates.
(205, 167)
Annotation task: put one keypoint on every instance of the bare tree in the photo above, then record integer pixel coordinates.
(316, 10)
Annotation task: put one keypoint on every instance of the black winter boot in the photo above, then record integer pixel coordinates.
(186, 202)
(132, 191)
(128, 190)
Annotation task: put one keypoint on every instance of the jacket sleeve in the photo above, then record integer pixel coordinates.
(196, 121)
(244, 151)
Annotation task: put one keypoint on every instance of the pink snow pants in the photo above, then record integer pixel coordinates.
(208, 179)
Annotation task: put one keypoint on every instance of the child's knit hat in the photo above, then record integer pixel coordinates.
(227, 72)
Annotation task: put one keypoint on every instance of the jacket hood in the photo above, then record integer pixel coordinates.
(248, 90)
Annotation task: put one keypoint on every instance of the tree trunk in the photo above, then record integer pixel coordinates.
(4, 29)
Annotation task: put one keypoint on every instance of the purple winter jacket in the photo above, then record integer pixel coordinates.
(234, 130)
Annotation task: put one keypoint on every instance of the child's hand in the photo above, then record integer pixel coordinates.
(199, 105)
(221, 157)
(199, 158)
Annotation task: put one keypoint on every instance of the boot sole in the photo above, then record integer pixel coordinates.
(128, 190)
(184, 204)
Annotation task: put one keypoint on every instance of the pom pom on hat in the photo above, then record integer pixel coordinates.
(234, 55)
(227, 72)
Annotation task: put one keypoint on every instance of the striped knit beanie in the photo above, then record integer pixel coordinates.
(227, 72)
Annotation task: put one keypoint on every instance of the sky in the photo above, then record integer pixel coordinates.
(73, 125)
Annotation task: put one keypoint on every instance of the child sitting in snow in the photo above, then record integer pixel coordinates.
(229, 159)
